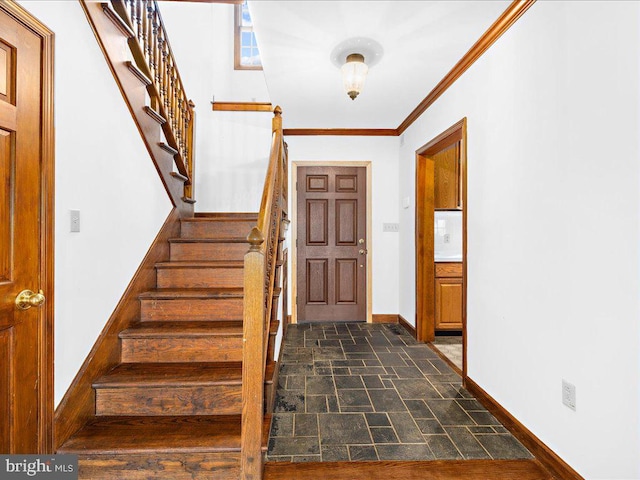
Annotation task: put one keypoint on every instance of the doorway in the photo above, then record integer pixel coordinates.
(26, 232)
(331, 265)
(441, 283)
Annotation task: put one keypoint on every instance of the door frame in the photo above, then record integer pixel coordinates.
(424, 231)
(293, 208)
(47, 192)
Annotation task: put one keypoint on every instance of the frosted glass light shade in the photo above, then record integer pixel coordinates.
(354, 73)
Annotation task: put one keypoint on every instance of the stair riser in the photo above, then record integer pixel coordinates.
(175, 350)
(176, 466)
(216, 229)
(185, 309)
(200, 277)
(208, 251)
(198, 400)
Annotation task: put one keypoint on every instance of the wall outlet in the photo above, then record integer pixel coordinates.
(447, 238)
(390, 227)
(75, 220)
(569, 394)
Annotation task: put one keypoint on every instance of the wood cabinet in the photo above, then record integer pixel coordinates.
(448, 296)
(447, 179)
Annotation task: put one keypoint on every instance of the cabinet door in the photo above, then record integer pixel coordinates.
(448, 303)
(447, 178)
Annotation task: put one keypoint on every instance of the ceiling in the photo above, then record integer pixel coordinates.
(422, 40)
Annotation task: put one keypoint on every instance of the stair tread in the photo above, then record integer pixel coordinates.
(184, 329)
(173, 374)
(189, 434)
(202, 264)
(209, 240)
(242, 216)
(177, 374)
(177, 293)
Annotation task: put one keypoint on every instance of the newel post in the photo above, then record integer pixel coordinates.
(276, 121)
(253, 360)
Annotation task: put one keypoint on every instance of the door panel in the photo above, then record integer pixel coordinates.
(20, 234)
(346, 222)
(317, 273)
(331, 244)
(318, 229)
(448, 303)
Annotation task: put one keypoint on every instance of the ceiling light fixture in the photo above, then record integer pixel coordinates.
(354, 73)
(349, 56)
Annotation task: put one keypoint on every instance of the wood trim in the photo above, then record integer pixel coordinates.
(393, 470)
(155, 115)
(78, 404)
(513, 12)
(425, 266)
(133, 68)
(351, 132)
(47, 231)
(424, 249)
(114, 46)
(407, 326)
(465, 282)
(445, 139)
(294, 211)
(547, 457)
(384, 318)
(242, 107)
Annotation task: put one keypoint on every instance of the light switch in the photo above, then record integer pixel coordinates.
(75, 220)
(406, 202)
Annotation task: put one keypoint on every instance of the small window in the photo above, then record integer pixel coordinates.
(247, 56)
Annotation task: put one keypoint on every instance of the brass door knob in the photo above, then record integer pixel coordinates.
(27, 299)
(363, 251)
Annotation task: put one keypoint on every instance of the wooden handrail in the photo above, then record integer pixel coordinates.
(261, 291)
(153, 56)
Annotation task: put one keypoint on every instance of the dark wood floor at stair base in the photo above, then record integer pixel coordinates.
(433, 470)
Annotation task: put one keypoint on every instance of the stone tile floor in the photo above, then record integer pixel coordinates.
(357, 391)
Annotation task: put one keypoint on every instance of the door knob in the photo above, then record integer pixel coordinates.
(27, 299)
(363, 251)
(361, 241)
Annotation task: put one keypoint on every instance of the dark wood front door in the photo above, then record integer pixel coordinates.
(331, 244)
(22, 353)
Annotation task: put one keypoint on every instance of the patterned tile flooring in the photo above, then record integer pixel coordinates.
(357, 391)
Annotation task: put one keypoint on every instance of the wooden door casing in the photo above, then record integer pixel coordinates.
(26, 231)
(454, 136)
(331, 243)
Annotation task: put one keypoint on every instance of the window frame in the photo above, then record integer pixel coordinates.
(237, 41)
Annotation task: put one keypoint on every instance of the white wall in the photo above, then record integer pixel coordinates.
(232, 148)
(103, 170)
(382, 152)
(553, 226)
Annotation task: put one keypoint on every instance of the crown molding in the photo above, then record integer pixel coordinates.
(514, 11)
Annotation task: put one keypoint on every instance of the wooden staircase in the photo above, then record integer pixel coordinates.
(172, 408)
